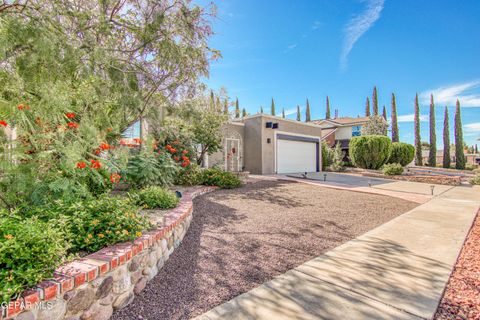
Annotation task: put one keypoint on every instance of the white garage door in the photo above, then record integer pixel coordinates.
(296, 156)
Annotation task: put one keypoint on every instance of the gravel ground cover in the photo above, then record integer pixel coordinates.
(461, 299)
(244, 237)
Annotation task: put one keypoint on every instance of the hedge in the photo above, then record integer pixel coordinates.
(370, 152)
(402, 153)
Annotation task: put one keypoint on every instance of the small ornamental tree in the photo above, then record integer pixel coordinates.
(376, 125)
(327, 111)
(370, 152)
(402, 153)
(307, 112)
(395, 134)
(432, 154)
(459, 155)
(418, 142)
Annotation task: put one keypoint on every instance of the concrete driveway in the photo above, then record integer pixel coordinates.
(348, 180)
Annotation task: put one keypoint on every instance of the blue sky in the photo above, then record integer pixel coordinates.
(293, 50)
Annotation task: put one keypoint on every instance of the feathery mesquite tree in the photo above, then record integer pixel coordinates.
(446, 140)
(327, 112)
(307, 112)
(395, 133)
(459, 155)
(299, 115)
(418, 142)
(432, 154)
(272, 107)
(375, 101)
(367, 107)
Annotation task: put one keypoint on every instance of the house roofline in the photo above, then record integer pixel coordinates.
(310, 124)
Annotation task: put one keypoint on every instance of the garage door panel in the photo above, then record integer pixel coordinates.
(296, 156)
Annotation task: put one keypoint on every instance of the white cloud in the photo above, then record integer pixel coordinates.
(357, 26)
(290, 47)
(316, 25)
(472, 127)
(468, 93)
(291, 111)
(411, 118)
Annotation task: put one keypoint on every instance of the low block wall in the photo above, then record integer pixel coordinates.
(437, 179)
(93, 287)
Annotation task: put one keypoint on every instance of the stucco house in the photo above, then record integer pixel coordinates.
(265, 144)
(341, 130)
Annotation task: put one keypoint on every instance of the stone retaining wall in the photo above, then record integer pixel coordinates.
(91, 288)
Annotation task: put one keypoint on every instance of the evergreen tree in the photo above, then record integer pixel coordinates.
(283, 113)
(299, 115)
(418, 142)
(237, 109)
(375, 101)
(261, 109)
(432, 154)
(218, 104)
(384, 114)
(327, 112)
(446, 140)
(459, 155)
(476, 149)
(212, 98)
(307, 112)
(367, 107)
(395, 134)
(273, 107)
(244, 113)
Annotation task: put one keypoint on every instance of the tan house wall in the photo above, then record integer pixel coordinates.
(343, 133)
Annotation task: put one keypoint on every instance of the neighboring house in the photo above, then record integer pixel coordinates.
(472, 159)
(264, 144)
(341, 130)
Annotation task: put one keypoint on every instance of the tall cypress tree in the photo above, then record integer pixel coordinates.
(446, 140)
(384, 113)
(367, 107)
(375, 101)
(327, 112)
(283, 113)
(395, 134)
(237, 109)
(459, 155)
(476, 149)
(307, 112)
(261, 109)
(418, 142)
(273, 107)
(244, 113)
(432, 154)
(299, 115)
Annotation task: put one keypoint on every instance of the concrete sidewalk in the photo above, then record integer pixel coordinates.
(396, 271)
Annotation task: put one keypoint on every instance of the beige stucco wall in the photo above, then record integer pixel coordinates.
(259, 154)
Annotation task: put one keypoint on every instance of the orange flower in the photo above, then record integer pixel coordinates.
(109, 129)
(70, 115)
(184, 158)
(185, 163)
(115, 178)
(137, 140)
(104, 146)
(97, 151)
(81, 165)
(184, 152)
(95, 164)
(72, 125)
(3, 123)
(176, 158)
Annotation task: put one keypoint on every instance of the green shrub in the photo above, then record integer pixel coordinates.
(92, 224)
(189, 176)
(30, 250)
(338, 164)
(370, 152)
(326, 155)
(402, 153)
(154, 197)
(475, 179)
(392, 169)
(219, 178)
(147, 168)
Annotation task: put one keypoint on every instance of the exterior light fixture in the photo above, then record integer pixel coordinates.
(178, 194)
(432, 187)
(369, 182)
(324, 177)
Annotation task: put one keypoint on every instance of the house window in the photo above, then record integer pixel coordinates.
(356, 131)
